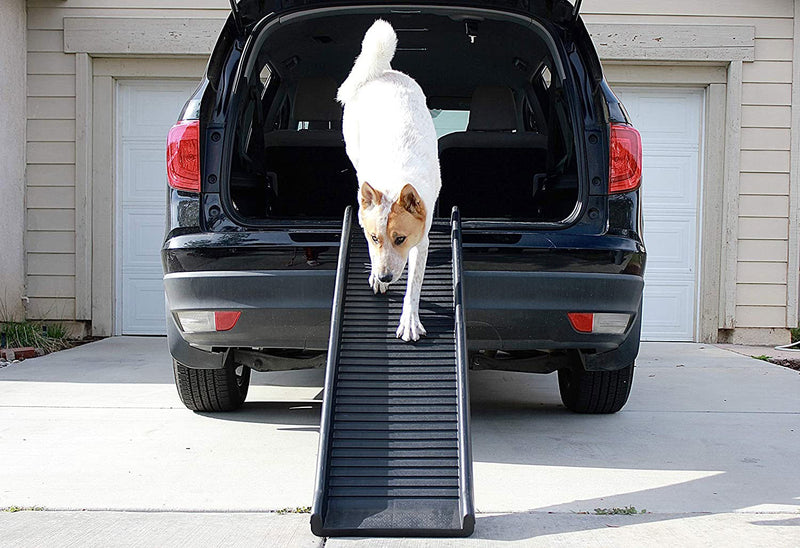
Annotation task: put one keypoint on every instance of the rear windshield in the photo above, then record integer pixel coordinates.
(506, 145)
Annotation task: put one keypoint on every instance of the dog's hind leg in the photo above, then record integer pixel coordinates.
(410, 328)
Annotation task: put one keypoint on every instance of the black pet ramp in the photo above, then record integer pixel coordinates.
(394, 455)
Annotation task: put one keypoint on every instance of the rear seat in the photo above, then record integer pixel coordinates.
(488, 170)
(309, 170)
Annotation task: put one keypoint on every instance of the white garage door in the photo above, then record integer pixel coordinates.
(145, 110)
(670, 120)
(671, 123)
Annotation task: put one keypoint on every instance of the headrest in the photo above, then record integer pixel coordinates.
(315, 100)
(492, 109)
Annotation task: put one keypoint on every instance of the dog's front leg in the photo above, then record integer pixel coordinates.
(377, 285)
(410, 328)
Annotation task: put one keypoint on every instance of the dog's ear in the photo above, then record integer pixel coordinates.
(369, 196)
(412, 202)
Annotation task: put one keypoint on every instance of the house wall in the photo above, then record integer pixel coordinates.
(758, 248)
(12, 158)
(763, 249)
(58, 267)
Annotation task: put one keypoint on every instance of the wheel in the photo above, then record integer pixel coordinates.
(595, 392)
(212, 389)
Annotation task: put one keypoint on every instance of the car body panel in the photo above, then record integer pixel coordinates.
(520, 279)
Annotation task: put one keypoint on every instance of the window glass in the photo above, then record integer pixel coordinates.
(449, 121)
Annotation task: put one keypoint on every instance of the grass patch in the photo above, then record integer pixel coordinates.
(626, 511)
(47, 337)
(791, 363)
(298, 510)
(22, 509)
(795, 334)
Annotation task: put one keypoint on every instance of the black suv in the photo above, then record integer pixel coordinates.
(535, 150)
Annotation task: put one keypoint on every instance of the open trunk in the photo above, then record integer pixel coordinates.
(495, 89)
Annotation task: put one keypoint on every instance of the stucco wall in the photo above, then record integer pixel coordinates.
(12, 156)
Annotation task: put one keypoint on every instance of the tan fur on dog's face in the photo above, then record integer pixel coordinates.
(391, 229)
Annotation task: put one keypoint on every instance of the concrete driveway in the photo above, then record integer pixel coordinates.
(708, 445)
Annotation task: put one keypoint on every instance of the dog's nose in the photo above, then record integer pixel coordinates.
(386, 278)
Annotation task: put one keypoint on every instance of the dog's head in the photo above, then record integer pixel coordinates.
(391, 228)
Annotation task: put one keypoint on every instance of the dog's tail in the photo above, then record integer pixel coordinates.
(377, 51)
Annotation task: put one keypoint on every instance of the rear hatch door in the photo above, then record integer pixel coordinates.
(248, 12)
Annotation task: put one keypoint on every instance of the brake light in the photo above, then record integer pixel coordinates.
(581, 321)
(224, 321)
(625, 159)
(183, 156)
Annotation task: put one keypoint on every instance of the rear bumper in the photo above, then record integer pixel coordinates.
(528, 310)
(280, 309)
(505, 310)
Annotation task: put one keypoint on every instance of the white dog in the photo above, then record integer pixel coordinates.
(390, 139)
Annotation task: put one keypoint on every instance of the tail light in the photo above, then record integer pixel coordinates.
(183, 156)
(625, 160)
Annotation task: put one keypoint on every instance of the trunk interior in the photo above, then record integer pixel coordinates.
(506, 137)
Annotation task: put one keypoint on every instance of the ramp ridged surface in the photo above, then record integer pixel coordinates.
(392, 462)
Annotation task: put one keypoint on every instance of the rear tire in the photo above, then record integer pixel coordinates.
(595, 392)
(212, 389)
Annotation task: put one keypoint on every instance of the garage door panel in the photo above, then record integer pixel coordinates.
(140, 228)
(671, 245)
(146, 111)
(148, 105)
(145, 304)
(144, 174)
(662, 116)
(670, 179)
(668, 311)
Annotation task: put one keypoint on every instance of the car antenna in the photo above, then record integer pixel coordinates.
(575, 10)
(237, 17)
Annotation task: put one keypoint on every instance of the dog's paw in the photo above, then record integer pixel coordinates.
(410, 328)
(377, 285)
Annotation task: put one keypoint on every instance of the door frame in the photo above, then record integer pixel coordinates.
(97, 159)
(717, 233)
